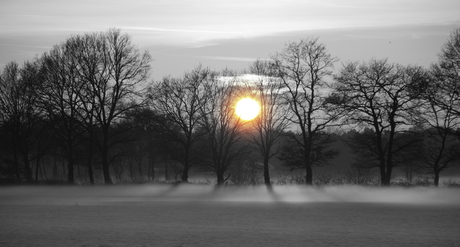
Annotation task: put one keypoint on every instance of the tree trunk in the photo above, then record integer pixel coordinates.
(185, 172)
(37, 166)
(409, 173)
(186, 165)
(152, 166)
(90, 172)
(166, 170)
(307, 151)
(78, 174)
(90, 157)
(266, 172)
(16, 164)
(220, 178)
(105, 157)
(28, 171)
(105, 168)
(70, 165)
(139, 164)
(385, 179)
(436, 178)
(43, 172)
(55, 169)
(308, 175)
(131, 175)
(70, 174)
(149, 171)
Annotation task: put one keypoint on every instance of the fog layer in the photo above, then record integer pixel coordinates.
(93, 195)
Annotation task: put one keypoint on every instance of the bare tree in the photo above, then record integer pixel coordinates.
(447, 73)
(92, 67)
(382, 96)
(114, 70)
(222, 126)
(19, 113)
(441, 111)
(303, 68)
(273, 117)
(179, 101)
(10, 111)
(60, 98)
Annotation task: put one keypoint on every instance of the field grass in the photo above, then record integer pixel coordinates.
(154, 215)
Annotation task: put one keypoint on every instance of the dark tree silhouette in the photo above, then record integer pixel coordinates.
(60, 97)
(221, 125)
(273, 117)
(441, 110)
(382, 96)
(179, 101)
(11, 110)
(447, 73)
(303, 67)
(20, 116)
(113, 70)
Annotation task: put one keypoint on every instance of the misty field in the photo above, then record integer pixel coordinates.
(192, 215)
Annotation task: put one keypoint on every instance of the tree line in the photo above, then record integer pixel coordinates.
(88, 102)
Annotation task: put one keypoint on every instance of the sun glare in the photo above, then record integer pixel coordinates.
(247, 109)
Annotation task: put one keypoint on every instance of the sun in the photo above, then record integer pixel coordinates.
(247, 109)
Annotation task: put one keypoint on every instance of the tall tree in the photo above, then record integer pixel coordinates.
(10, 111)
(113, 70)
(92, 67)
(382, 96)
(221, 125)
(441, 111)
(19, 112)
(273, 117)
(447, 73)
(179, 101)
(303, 68)
(60, 97)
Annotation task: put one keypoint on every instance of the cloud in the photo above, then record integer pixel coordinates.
(155, 29)
(225, 58)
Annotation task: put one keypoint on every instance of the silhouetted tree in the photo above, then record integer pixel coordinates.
(179, 101)
(382, 96)
(60, 97)
(113, 70)
(447, 74)
(19, 114)
(303, 67)
(273, 117)
(10, 111)
(221, 125)
(440, 111)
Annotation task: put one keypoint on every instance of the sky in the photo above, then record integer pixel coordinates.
(182, 34)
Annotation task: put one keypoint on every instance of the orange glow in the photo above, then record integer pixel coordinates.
(247, 109)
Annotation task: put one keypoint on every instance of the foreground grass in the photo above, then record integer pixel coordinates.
(204, 216)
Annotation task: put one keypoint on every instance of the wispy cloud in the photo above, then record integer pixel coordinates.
(154, 29)
(226, 58)
(25, 46)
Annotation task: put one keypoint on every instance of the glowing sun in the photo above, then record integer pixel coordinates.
(247, 109)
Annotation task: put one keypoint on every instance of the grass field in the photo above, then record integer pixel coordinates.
(159, 215)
